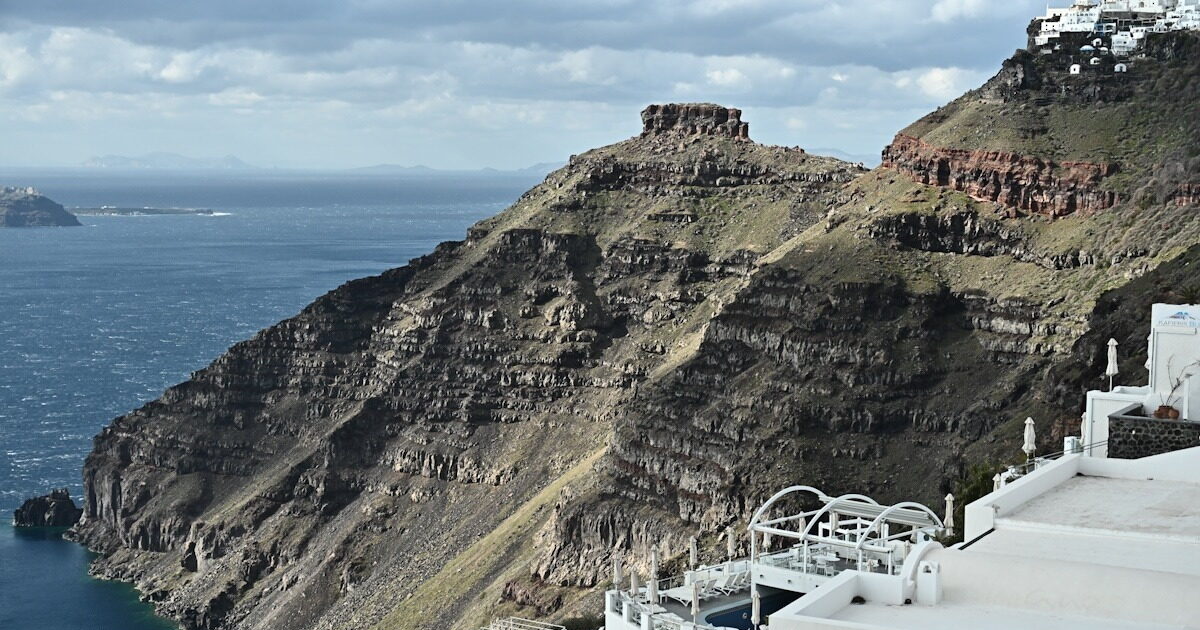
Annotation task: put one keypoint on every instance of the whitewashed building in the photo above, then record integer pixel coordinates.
(1126, 22)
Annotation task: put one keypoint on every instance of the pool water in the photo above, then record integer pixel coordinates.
(740, 617)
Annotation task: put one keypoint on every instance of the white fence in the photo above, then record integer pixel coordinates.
(514, 623)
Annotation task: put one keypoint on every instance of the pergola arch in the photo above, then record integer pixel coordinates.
(779, 495)
(845, 498)
(862, 538)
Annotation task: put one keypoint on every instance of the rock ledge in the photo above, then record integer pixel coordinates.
(694, 119)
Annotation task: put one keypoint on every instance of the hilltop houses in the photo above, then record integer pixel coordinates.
(1124, 24)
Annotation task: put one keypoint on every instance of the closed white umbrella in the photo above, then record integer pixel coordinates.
(730, 543)
(695, 602)
(635, 585)
(755, 609)
(1030, 445)
(652, 586)
(767, 541)
(949, 520)
(996, 482)
(618, 575)
(1114, 369)
(693, 552)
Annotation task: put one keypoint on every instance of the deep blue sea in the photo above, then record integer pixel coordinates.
(95, 321)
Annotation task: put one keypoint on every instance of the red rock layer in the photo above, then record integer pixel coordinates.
(1017, 182)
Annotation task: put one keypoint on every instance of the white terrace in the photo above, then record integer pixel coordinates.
(850, 532)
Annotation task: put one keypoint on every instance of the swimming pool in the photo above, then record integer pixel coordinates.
(740, 617)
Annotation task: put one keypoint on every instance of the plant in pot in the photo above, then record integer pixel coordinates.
(1166, 410)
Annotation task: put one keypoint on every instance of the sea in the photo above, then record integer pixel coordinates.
(99, 320)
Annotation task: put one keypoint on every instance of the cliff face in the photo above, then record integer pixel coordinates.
(25, 207)
(1040, 139)
(643, 348)
(388, 456)
(1019, 182)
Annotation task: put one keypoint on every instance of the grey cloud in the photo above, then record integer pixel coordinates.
(472, 72)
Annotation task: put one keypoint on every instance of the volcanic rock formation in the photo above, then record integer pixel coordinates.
(641, 349)
(25, 207)
(692, 119)
(53, 510)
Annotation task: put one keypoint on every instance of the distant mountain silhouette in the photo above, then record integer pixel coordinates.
(167, 161)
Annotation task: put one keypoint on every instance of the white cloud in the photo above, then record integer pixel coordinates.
(945, 84)
(236, 97)
(727, 78)
(950, 10)
(372, 69)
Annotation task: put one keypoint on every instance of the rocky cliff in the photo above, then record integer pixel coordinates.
(388, 456)
(25, 207)
(53, 510)
(641, 349)
(1041, 138)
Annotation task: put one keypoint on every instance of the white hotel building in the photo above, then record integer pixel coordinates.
(1126, 22)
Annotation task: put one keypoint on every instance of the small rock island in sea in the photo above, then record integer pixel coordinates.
(26, 207)
(53, 510)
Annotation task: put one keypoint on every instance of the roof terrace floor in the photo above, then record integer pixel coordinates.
(956, 617)
(1146, 509)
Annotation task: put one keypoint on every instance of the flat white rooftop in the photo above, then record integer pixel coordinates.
(1125, 508)
(1158, 556)
(959, 617)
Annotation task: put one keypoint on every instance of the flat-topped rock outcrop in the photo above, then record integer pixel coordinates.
(694, 119)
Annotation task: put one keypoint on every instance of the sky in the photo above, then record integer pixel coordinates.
(462, 84)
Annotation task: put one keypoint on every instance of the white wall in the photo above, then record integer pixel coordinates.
(981, 515)
(812, 610)
(1068, 588)
(1175, 466)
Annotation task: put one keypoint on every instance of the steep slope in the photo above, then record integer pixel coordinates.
(387, 456)
(25, 207)
(649, 343)
(966, 284)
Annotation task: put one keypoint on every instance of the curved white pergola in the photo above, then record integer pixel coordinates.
(906, 505)
(911, 516)
(829, 507)
(781, 494)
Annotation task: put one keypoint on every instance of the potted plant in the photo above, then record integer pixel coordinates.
(1166, 410)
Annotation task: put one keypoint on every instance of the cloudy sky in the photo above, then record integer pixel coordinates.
(472, 83)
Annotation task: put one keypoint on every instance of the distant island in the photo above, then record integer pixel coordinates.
(26, 207)
(167, 162)
(111, 211)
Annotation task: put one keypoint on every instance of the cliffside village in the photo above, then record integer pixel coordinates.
(1111, 31)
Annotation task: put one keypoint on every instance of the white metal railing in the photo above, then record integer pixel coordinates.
(515, 623)
(637, 608)
(817, 563)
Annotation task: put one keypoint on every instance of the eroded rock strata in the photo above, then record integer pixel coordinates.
(641, 349)
(325, 472)
(1020, 182)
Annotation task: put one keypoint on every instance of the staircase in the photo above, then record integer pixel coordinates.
(513, 623)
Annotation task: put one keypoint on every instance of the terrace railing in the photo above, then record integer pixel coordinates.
(515, 623)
